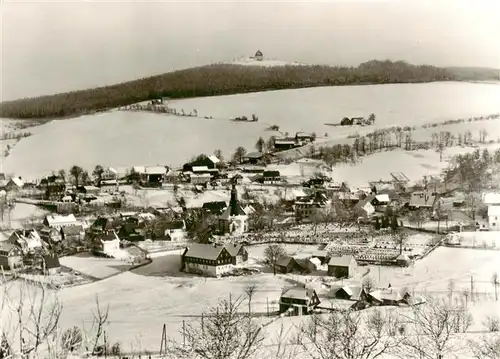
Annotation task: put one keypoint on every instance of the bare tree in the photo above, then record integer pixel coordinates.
(92, 336)
(250, 291)
(273, 253)
(349, 335)
(488, 347)
(284, 349)
(71, 339)
(224, 333)
(432, 329)
(30, 317)
(400, 238)
(368, 283)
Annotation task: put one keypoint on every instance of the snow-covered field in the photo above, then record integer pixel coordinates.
(96, 267)
(125, 138)
(143, 300)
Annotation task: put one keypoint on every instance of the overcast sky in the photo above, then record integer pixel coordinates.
(55, 46)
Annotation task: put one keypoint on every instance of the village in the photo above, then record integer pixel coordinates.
(331, 241)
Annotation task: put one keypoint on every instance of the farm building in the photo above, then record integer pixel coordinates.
(388, 297)
(342, 267)
(206, 259)
(58, 221)
(314, 264)
(51, 265)
(11, 256)
(298, 301)
(287, 264)
(26, 239)
(238, 253)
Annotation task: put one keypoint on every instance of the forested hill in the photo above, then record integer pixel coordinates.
(221, 79)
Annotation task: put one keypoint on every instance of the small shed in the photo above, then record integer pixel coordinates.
(51, 265)
(287, 264)
(341, 267)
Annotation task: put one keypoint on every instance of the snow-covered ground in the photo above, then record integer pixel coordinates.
(125, 139)
(248, 61)
(96, 267)
(143, 300)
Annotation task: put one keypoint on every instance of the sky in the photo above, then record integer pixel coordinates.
(55, 46)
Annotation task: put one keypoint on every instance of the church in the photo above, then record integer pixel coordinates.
(234, 219)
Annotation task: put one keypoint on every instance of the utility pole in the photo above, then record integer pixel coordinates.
(267, 301)
(471, 288)
(184, 333)
(163, 344)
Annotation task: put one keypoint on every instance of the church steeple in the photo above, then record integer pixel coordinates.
(233, 203)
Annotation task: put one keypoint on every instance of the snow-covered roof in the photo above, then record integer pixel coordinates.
(58, 219)
(200, 175)
(493, 210)
(315, 261)
(111, 169)
(17, 181)
(156, 170)
(383, 197)
(386, 295)
(491, 198)
(200, 168)
(342, 261)
(214, 159)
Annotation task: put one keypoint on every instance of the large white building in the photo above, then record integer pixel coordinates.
(58, 221)
(206, 259)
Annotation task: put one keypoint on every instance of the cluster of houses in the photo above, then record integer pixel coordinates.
(304, 301)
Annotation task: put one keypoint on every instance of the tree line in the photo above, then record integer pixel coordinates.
(219, 79)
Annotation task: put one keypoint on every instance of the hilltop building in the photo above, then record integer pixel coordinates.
(258, 56)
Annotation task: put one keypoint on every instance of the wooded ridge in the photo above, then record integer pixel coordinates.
(227, 79)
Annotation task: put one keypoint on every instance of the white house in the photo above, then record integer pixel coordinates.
(206, 259)
(494, 218)
(58, 221)
(109, 243)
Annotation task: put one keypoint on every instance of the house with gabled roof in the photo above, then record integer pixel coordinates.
(26, 239)
(107, 243)
(298, 301)
(50, 235)
(234, 219)
(389, 296)
(11, 256)
(287, 264)
(238, 253)
(51, 264)
(59, 221)
(423, 200)
(72, 234)
(215, 208)
(305, 207)
(206, 259)
(105, 224)
(342, 267)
